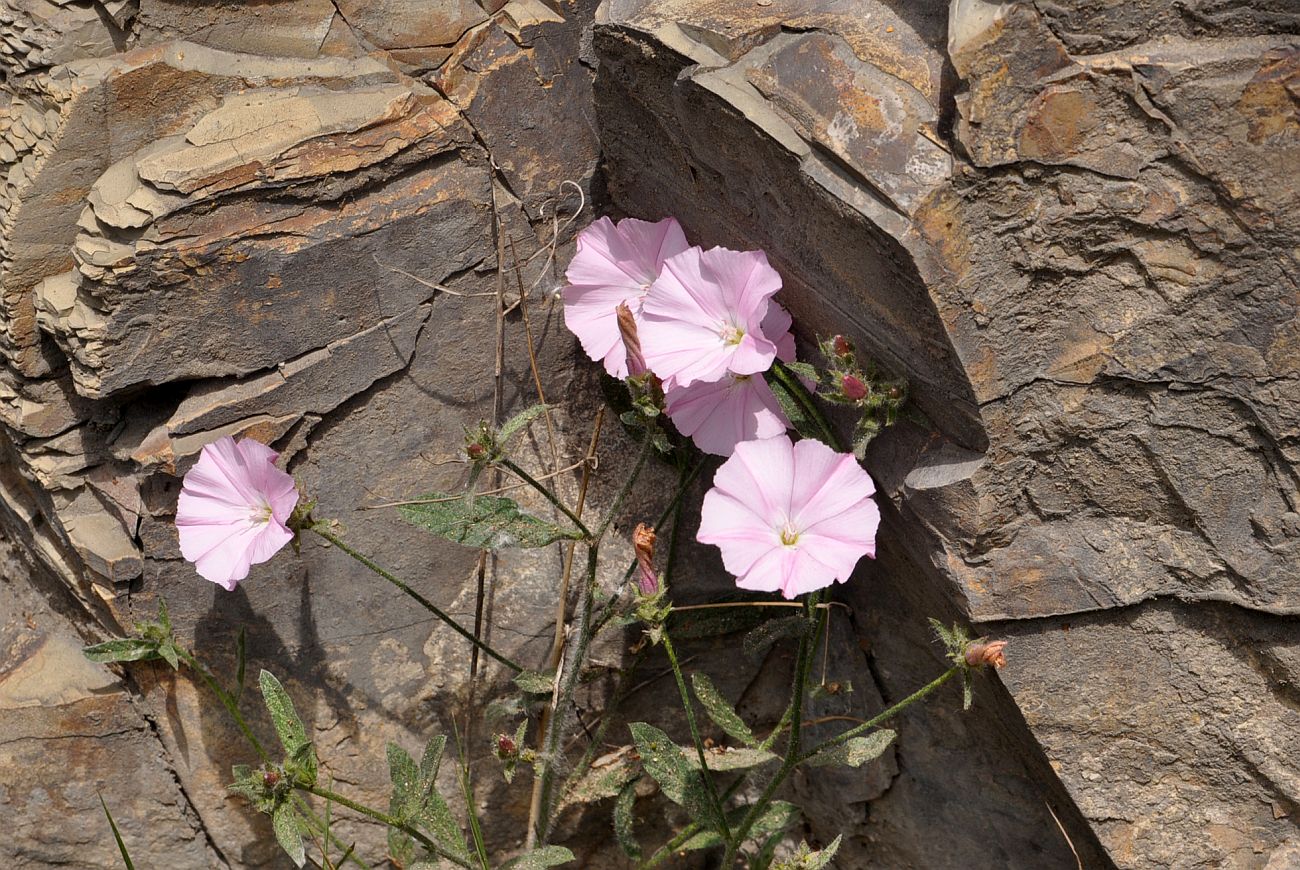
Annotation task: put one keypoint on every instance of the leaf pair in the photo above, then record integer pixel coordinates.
(415, 800)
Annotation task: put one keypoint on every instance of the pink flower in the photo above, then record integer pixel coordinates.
(718, 415)
(790, 517)
(232, 511)
(703, 316)
(615, 265)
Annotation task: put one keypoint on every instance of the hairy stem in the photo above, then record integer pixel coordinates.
(382, 817)
(790, 381)
(527, 478)
(689, 707)
(320, 529)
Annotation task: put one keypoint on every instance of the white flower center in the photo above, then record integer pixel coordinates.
(731, 334)
(789, 535)
(260, 513)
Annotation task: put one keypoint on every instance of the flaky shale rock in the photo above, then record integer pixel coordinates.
(1072, 226)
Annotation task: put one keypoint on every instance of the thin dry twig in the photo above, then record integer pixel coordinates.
(497, 491)
(1068, 841)
(432, 285)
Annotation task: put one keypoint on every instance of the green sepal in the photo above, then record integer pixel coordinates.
(482, 522)
(855, 751)
(720, 711)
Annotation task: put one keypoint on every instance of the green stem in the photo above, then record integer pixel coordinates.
(687, 832)
(695, 736)
(790, 381)
(647, 447)
(383, 818)
(546, 492)
(887, 714)
(803, 667)
(320, 529)
(571, 671)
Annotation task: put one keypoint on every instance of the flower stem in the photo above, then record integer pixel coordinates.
(790, 381)
(527, 478)
(689, 707)
(383, 818)
(320, 529)
(887, 714)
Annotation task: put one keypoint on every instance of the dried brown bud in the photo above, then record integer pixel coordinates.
(980, 654)
(842, 346)
(643, 540)
(627, 329)
(853, 388)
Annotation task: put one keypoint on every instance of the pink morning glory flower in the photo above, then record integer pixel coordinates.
(615, 265)
(703, 317)
(790, 517)
(718, 415)
(233, 508)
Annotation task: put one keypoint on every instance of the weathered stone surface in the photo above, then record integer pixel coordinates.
(1098, 249)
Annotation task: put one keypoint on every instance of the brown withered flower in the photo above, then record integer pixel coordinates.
(627, 329)
(643, 540)
(982, 654)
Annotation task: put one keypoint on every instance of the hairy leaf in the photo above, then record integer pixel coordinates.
(757, 641)
(540, 859)
(126, 649)
(856, 751)
(625, 820)
(734, 758)
(483, 522)
(288, 727)
(720, 711)
(535, 682)
(805, 858)
(778, 816)
(287, 832)
(793, 410)
(167, 651)
(117, 835)
(666, 763)
(407, 798)
(519, 421)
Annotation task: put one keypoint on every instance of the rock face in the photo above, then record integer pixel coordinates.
(1071, 225)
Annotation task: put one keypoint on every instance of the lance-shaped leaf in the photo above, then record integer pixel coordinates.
(734, 758)
(288, 833)
(757, 641)
(625, 821)
(720, 711)
(415, 797)
(126, 649)
(540, 859)
(288, 727)
(408, 794)
(117, 835)
(535, 682)
(483, 522)
(519, 421)
(855, 751)
(665, 761)
(778, 816)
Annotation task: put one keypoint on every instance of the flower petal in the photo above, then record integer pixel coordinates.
(719, 415)
(825, 483)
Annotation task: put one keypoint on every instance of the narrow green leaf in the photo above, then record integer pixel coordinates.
(437, 819)
(540, 859)
(856, 751)
(731, 758)
(117, 835)
(288, 833)
(778, 816)
(126, 649)
(665, 762)
(535, 682)
(720, 711)
(519, 421)
(288, 727)
(167, 650)
(241, 662)
(792, 409)
(763, 861)
(407, 799)
(625, 821)
(432, 760)
(757, 641)
(482, 522)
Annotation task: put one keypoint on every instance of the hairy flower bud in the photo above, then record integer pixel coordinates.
(643, 540)
(475, 451)
(627, 329)
(506, 747)
(270, 779)
(853, 387)
(842, 346)
(981, 654)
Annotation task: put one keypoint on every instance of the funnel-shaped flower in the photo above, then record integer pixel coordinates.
(703, 317)
(718, 415)
(790, 517)
(615, 265)
(232, 511)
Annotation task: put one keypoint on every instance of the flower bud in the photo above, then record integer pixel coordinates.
(981, 654)
(643, 540)
(895, 393)
(853, 388)
(270, 779)
(842, 346)
(627, 329)
(475, 451)
(506, 748)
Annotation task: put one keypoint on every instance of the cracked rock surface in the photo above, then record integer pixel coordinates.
(1072, 225)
